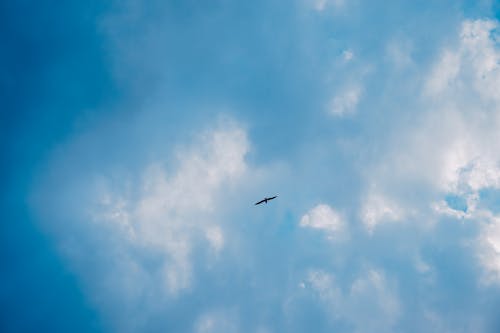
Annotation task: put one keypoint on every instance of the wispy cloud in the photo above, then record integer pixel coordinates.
(370, 302)
(346, 101)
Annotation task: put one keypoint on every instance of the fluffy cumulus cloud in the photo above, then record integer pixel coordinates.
(325, 218)
(440, 167)
(150, 223)
(165, 212)
(462, 94)
(451, 149)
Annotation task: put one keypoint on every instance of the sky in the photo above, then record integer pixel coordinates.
(136, 136)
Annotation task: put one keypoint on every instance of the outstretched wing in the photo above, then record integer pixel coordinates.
(271, 198)
(258, 203)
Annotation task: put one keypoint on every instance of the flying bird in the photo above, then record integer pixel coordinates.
(266, 200)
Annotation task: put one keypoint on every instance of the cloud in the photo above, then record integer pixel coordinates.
(156, 222)
(165, 211)
(148, 226)
(468, 89)
(347, 55)
(323, 217)
(377, 208)
(452, 151)
(472, 66)
(369, 303)
(453, 147)
(443, 208)
(346, 101)
(489, 250)
(444, 73)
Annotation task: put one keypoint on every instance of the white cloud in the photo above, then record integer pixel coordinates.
(480, 173)
(324, 284)
(453, 145)
(346, 101)
(441, 207)
(146, 228)
(375, 282)
(369, 304)
(472, 66)
(347, 55)
(167, 210)
(377, 208)
(466, 80)
(444, 73)
(481, 52)
(154, 223)
(489, 250)
(325, 218)
(215, 237)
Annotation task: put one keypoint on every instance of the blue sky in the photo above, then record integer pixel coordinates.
(136, 136)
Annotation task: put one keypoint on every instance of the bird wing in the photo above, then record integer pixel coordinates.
(258, 203)
(271, 198)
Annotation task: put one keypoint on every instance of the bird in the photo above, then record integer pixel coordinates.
(265, 200)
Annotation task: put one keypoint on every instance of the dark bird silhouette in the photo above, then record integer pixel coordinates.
(266, 200)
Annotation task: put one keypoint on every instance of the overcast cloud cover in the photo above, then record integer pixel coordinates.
(136, 136)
